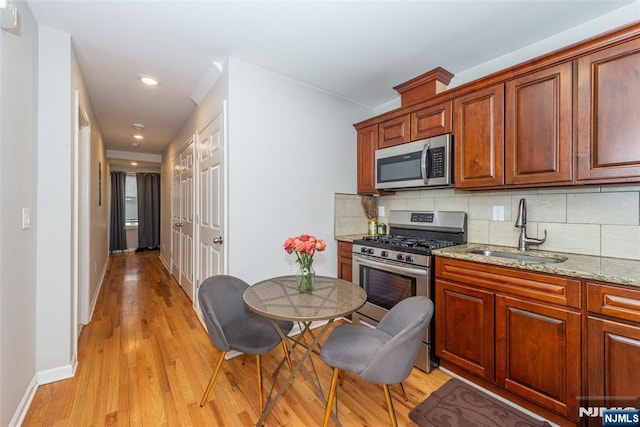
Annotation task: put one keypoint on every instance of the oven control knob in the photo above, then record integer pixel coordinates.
(370, 251)
(409, 258)
(364, 250)
(400, 257)
(384, 254)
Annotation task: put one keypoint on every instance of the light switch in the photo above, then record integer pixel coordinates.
(380, 211)
(26, 218)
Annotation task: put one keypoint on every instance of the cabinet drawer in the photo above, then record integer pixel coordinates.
(344, 249)
(614, 301)
(542, 287)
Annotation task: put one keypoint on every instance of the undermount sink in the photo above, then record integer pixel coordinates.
(520, 257)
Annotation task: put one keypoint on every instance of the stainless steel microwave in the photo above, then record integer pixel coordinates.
(418, 164)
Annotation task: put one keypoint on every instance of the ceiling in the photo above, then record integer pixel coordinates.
(356, 49)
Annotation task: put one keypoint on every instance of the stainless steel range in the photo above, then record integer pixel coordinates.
(399, 265)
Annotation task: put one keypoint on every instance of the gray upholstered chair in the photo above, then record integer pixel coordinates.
(232, 326)
(384, 355)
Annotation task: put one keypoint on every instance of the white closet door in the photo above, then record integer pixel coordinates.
(186, 219)
(211, 199)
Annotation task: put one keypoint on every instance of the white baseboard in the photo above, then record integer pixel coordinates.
(165, 264)
(100, 281)
(25, 403)
(57, 374)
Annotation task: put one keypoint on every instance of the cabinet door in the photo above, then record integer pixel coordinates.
(479, 138)
(464, 327)
(538, 127)
(367, 145)
(608, 108)
(538, 353)
(394, 132)
(345, 261)
(431, 121)
(614, 364)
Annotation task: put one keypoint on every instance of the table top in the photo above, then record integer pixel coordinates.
(279, 298)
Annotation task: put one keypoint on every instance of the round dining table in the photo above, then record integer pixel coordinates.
(279, 298)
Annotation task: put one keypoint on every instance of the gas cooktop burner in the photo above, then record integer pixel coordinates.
(416, 232)
(404, 242)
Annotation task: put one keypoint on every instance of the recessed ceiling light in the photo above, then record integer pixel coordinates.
(138, 136)
(134, 163)
(138, 126)
(149, 80)
(134, 144)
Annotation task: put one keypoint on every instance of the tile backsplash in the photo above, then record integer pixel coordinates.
(350, 218)
(593, 220)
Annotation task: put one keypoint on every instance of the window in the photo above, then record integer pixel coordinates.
(131, 201)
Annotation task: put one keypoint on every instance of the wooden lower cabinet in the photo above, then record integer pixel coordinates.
(345, 261)
(464, 330)
(614, 365)
(538, 353)
(517, 331)
(613, 347)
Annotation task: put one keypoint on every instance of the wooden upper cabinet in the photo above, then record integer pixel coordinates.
(431, 121)
(538, 127)
(367, 145)
(479, 138)
(608, 112)
(394, 131)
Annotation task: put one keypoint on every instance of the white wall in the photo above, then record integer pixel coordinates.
(601, 24)
(18, 147)
(617, 18)
(291, 147)
(98, 239)
(54, 317)
(201, 116)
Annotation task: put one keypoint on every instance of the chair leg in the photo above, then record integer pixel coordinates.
(331, 397)
(404, 393)
(392, 413)
(213, 378)
(288, 356)
(259, 369)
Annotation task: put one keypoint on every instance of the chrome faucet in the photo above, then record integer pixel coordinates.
(521, 222)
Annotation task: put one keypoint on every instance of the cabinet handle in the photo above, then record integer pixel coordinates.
(217, 240)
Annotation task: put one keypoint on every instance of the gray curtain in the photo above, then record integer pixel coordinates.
(148, 210)
(118, 238)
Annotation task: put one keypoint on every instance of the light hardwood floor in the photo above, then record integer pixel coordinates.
(145, 359)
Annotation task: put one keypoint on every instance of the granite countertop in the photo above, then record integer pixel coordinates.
(613, 270)
(349, 238)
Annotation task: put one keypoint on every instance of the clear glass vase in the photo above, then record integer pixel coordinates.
(306, 275)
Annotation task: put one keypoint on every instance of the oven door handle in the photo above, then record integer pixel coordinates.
(390, 267)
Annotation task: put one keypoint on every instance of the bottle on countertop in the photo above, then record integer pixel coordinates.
(373, 227)
(382, 229)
